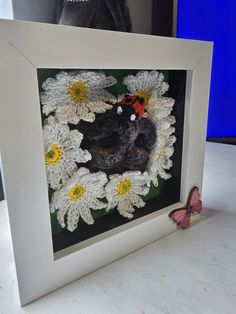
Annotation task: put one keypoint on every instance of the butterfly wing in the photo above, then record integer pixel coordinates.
(194, 201)
(197, 208)
(180, 217)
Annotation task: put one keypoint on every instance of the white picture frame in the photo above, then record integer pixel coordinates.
(25, 47)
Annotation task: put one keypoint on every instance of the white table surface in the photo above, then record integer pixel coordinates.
(192, 271)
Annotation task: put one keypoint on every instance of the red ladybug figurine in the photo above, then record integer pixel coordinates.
(132, 106)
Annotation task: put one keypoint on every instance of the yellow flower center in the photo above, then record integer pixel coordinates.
(53, 156)
(78, 91)
(124, 187)
(76, 193)
(145, 95)
(160, 154)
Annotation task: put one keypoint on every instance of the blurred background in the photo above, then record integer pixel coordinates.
(199, 19)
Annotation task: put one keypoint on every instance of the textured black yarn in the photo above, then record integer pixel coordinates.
(116, 143)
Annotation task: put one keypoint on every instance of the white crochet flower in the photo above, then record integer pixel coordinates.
(78, 197)
(125, 191)
(159, 112)
(146, 84)
(164, 126)
(159, 160)
(62, 152)
(159, 108)
(76, 96)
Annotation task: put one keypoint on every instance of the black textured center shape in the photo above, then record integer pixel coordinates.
(116, 143)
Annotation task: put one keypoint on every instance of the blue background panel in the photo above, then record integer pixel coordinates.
(215, 21)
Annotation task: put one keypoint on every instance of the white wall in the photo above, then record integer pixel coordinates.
(6, 9)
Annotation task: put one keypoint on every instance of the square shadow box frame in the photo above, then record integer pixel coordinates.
(25, 48)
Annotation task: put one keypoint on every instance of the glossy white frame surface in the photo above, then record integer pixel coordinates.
(25, 47)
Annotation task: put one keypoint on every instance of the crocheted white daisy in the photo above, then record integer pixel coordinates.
(78, 196)
(62, 152)
(159, 112)
(160, 158)
(76, 96)
(125, 191)
(146, 84)
(159, 108)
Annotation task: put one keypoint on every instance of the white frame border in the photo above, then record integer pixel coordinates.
(26, 46)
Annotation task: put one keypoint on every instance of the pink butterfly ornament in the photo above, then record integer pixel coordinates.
(182, 216)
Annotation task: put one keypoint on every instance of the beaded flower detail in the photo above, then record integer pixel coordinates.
(62, 152)
(78, 197)
(125, 191)
(77, 96)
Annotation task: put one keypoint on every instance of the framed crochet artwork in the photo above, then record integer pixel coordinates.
(117, 133)
(105, 140)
